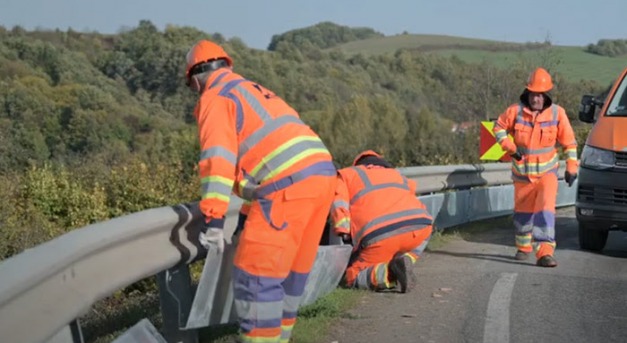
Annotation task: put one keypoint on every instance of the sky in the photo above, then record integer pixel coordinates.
(563, 22)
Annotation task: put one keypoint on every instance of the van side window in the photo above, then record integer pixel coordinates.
(618, 106)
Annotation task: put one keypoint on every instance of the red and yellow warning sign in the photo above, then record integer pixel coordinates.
(489, 149)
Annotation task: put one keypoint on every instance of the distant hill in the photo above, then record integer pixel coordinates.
(573, 62)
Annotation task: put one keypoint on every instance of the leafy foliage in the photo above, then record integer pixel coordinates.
(322, 35)
(608, 47)
(95, 126)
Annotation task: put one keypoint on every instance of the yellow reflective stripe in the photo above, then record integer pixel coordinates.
(525, 168)
(294, 160)
(572, 153)
(279, 150)
(217, 187)
(217, 178)
(215, 195)
(249, 339)
(523, 240)
(385, 276)
(344, 223)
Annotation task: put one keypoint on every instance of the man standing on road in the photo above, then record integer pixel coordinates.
(537, 125)
(376, 209)
(254, 144)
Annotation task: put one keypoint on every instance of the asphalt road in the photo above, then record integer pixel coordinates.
(472, 290)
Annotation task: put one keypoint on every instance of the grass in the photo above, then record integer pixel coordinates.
(111, 317)
(571, 61)
(313, 321)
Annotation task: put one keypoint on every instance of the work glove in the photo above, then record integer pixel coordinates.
(570, 178)
(517, 156)
(212, 238)
(346, 238)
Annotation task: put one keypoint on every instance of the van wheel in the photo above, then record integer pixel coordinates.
(590, 238)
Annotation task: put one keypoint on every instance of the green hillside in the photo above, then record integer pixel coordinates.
(572, 62)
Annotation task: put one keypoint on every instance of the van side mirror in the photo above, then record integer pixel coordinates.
(588, 107)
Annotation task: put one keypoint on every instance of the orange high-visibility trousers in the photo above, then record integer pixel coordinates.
(273, 260)
(534, 214)
(369, 268)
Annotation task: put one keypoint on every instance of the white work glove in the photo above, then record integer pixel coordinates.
(346, 238)
(213, 238)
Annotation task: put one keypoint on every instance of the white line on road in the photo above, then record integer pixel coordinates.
(497, 318)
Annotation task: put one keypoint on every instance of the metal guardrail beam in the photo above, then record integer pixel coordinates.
(44, 288)
(448, 177)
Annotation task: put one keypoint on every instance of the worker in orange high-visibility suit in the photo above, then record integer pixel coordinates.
(255, 144)
(536, 125)
(376, 208)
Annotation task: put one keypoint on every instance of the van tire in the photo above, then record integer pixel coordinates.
(590, 238)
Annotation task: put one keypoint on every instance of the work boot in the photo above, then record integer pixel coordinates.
(547, 261)
(521, 255)
(401, 271)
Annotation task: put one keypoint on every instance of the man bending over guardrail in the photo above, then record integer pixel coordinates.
(254, 144)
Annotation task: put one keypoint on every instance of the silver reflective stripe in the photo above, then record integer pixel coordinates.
(247, 192)
(519, 116)
(286, 334)
(363, 279)
(259, 310)
(364, 178)
(522, 229)
(500, 135)
(378, 187)
(554, 107)
(388, 217)
(381, 275)
(537, 168)
(368, 187)
(266, 130)
(392, 234)
(572, 154)
(216, 187)
(284, 156)
(337, 204)
(254, 103)
(291, 303)
(218, 151)
(535, 151)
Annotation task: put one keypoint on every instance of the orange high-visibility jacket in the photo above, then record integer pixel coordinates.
(249, 138)
(373, 203)
(535, 137)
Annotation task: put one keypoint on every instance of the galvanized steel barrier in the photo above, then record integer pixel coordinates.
(44, 289)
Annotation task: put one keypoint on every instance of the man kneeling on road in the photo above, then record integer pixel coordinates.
(376, 209)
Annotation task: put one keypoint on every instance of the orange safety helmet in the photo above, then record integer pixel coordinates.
(539, 81)
(205, 51)
(365, 154)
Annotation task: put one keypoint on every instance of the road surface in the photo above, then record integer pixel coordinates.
(472, 290)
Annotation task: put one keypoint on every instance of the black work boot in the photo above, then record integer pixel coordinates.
(521, 255)
(547, 261)
(401, 271)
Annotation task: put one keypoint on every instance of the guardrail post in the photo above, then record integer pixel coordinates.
(175, 297)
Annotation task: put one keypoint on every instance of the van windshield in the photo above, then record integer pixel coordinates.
(618, 106)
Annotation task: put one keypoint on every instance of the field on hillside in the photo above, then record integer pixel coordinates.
(572, 61)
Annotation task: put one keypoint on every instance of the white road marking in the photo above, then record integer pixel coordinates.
(497, 317)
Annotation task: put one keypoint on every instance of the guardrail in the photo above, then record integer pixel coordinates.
(44, 289)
